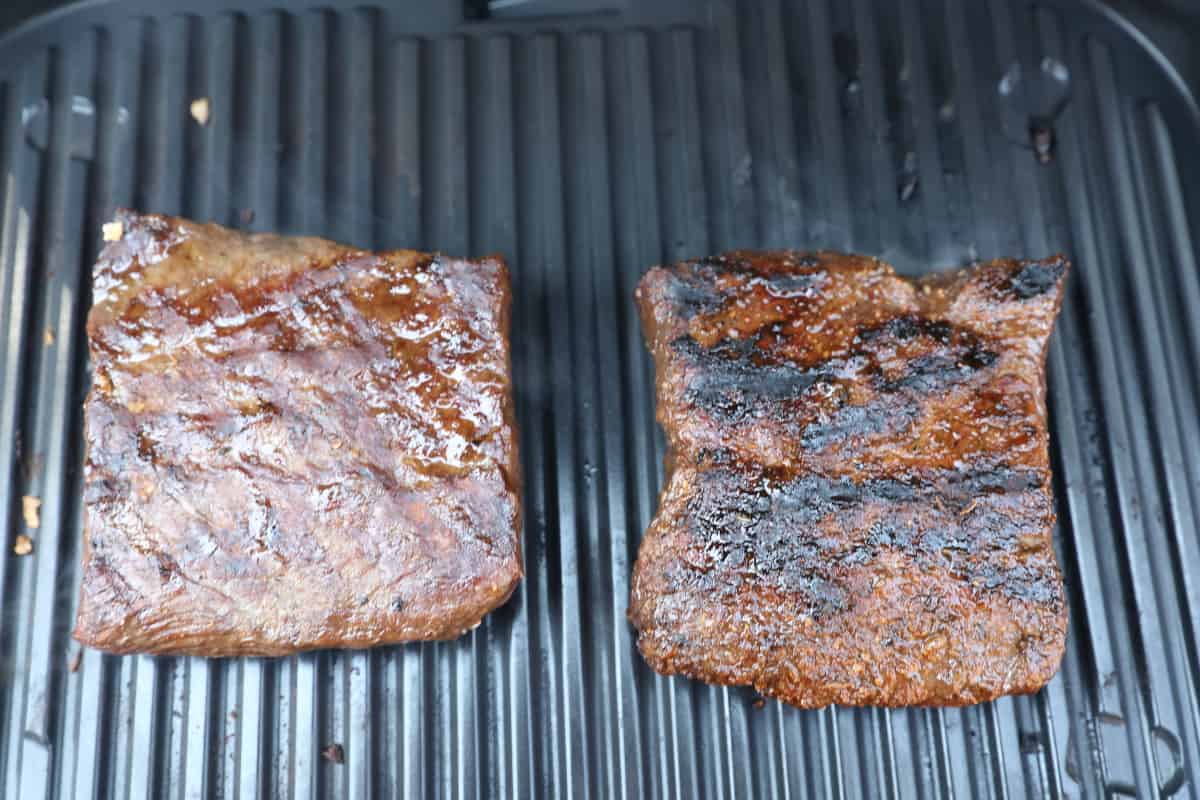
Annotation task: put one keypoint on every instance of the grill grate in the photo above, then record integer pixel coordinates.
(585, 150)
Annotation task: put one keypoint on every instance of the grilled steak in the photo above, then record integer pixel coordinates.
(293, 444)
(858, 504)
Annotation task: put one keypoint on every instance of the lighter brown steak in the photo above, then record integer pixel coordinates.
(293, 444)
(858, 504)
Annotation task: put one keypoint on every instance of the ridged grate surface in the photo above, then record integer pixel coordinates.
(586, 150)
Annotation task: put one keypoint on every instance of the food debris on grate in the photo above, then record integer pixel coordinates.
(1042, 138)
(30, 508)
(112, 231)
(334, 753)
(201, 110)
(23, 546)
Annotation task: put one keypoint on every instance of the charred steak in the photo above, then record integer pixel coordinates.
(858, 505)
(293, 444)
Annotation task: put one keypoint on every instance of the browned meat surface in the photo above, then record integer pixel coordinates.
(293, 444)
(858, 504)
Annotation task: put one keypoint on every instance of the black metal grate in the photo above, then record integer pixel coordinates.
(585, 150)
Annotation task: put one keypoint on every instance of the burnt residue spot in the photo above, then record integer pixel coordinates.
(1036, 278)
(792, 284)
(1027, 583)
(852, 421)
(820, 495)
(909, 326)
(998, 480)
(979, 358)
(926, 374)
(694, 297)
(746, 534)
(733, 263)
(334, 753)
(883, 533)
(714, 456)
(952, 355)
(736, 380)
(709, 267)
(794, 534)
(747, 379)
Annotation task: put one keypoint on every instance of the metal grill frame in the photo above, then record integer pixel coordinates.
(586, 149)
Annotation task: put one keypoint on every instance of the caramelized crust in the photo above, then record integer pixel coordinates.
(858, 506)
(293, 444)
